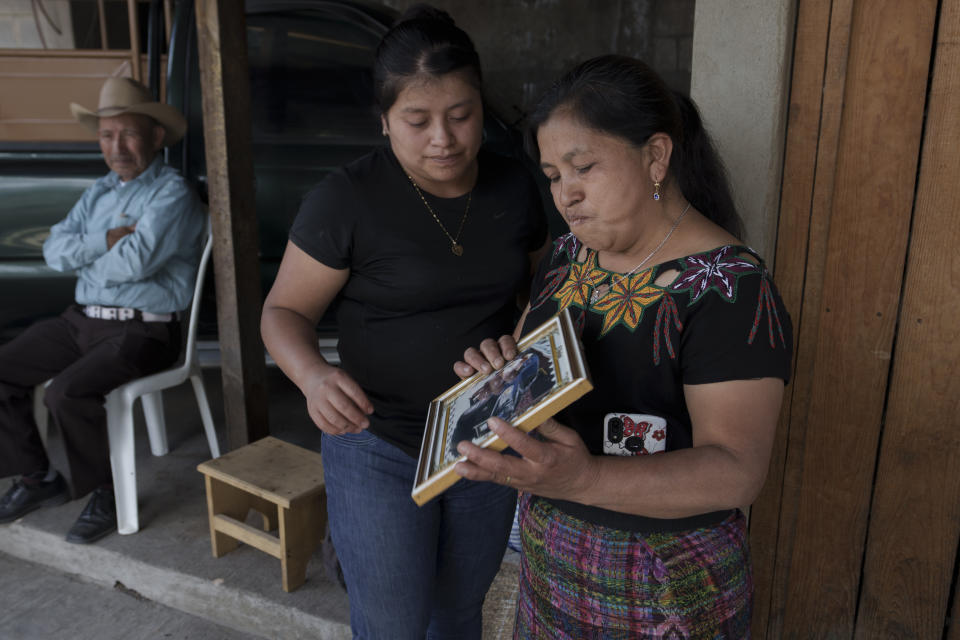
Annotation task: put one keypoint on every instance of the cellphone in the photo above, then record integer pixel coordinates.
(634, 434)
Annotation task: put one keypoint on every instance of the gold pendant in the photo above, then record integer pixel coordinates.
(457, 249)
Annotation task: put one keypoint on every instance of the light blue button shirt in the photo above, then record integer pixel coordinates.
(152, 269)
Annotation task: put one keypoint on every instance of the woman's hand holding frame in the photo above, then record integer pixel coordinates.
(522, 383)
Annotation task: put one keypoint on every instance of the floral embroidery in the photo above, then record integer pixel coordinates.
(666, 314)
(551, 283)
(567, 243)
(718, 270)
(583, 278)
(625, 302)
(765, 301)
(570, 284)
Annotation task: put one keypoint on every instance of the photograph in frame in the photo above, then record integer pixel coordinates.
(548, 373)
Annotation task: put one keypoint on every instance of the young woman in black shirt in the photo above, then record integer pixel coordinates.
(425, 244)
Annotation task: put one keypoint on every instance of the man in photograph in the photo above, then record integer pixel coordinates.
(506, 394)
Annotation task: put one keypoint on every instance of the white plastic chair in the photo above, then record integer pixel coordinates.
(119, 406)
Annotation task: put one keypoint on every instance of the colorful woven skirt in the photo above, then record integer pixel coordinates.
(579, 580)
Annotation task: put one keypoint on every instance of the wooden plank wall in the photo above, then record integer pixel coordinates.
(915, 518)
(810, 158)
(37, 87)
(856, 533)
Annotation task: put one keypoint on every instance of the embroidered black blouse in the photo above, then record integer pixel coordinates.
(720, 319)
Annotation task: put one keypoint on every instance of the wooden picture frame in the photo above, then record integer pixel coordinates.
(549, 373)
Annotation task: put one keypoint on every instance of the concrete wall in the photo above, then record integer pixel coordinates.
(526, 44)
(741, 81)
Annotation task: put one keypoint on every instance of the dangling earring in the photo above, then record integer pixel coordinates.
(656, 190)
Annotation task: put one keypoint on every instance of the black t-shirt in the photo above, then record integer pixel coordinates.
(720, 319)
(411, 307)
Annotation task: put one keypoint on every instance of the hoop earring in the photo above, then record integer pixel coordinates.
(656, 190)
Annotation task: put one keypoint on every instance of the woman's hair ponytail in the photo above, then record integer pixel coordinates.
(699, 171)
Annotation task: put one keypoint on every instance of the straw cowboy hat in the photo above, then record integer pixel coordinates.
(124, 95)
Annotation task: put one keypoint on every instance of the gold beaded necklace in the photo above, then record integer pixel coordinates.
(455, 245)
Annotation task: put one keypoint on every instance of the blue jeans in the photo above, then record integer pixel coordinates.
(411, 572)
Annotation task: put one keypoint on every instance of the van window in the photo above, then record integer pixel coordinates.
(310, 77)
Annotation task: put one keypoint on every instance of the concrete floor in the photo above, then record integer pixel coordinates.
(169, 561)
(41, 603)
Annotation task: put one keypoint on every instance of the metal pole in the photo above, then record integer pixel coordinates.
(102, 12)
(134, 39)
(167, 19)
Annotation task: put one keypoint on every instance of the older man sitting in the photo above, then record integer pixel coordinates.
(133, 239)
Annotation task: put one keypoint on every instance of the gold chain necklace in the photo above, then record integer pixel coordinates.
(455, 246)
(603, 289)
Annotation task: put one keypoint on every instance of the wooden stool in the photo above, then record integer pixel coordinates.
(284, 484)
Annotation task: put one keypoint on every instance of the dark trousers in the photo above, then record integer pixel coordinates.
(87, 358)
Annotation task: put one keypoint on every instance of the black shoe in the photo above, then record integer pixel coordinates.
(98, 519)
(24, 497)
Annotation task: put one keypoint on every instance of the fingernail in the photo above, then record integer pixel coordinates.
(495, 425)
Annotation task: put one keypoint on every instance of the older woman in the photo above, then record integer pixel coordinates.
(629, 514)
(424, 243)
